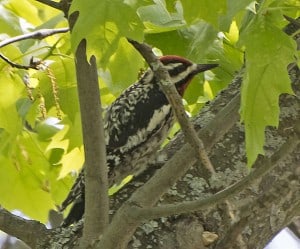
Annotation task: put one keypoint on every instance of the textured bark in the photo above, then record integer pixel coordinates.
(96, 182)
(249, 219)
(256, 214)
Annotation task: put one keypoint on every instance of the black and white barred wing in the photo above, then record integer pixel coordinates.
(136, 125)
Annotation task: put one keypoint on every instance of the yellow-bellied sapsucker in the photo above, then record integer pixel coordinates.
(135, 125)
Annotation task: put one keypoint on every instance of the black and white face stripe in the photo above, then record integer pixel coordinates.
(182, 72)
(179, 71)
(175, 69)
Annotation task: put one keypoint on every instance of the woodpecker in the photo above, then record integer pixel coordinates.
(135, 126)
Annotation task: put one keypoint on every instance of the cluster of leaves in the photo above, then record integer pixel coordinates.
(38, 151)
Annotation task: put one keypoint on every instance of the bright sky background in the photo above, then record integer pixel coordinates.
(286, 239)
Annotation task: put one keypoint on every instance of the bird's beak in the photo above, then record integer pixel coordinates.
(205, 67)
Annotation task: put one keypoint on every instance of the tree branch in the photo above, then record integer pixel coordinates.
(39, 34)
(175, 100)
(63, 5)
(55, 5)
(29, 231)
(96, 182)
(124, 223)
(19, 66)
(262, 168)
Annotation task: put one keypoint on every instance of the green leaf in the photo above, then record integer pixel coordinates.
(23, 106)
(33, 12)
(233, 9)
(121, 75)
(102, 24)
(72, 161)
(204, 9)
(195, 90)
(11, 90)
(50, 23)
(202, 36)
(27, 170)
(9, 23)
(64, 73)
(172, 42)
(25, 10)
(157, 17)
(33, 113)
(192, 42)
(56, 155)
(74, 133)
(46, 130)
(268, 52)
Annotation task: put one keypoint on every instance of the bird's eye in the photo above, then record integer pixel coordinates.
(177, 68)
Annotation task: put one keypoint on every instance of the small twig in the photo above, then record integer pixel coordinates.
(296, 22)
(39, 34)
(176, 102)
(55, 5)
(63, 5)
(16, 65)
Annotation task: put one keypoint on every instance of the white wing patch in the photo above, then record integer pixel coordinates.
(185, 73)
(142, 134)
(158, 117)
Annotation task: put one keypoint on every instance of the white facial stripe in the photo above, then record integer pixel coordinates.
(185, 73)
(173, 65)
(178, 77)
(158, 117)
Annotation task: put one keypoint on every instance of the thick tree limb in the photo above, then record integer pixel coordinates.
(263, 167)
(96, 182)
(29, 231)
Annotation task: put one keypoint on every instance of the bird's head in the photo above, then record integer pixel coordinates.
(182, 70)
